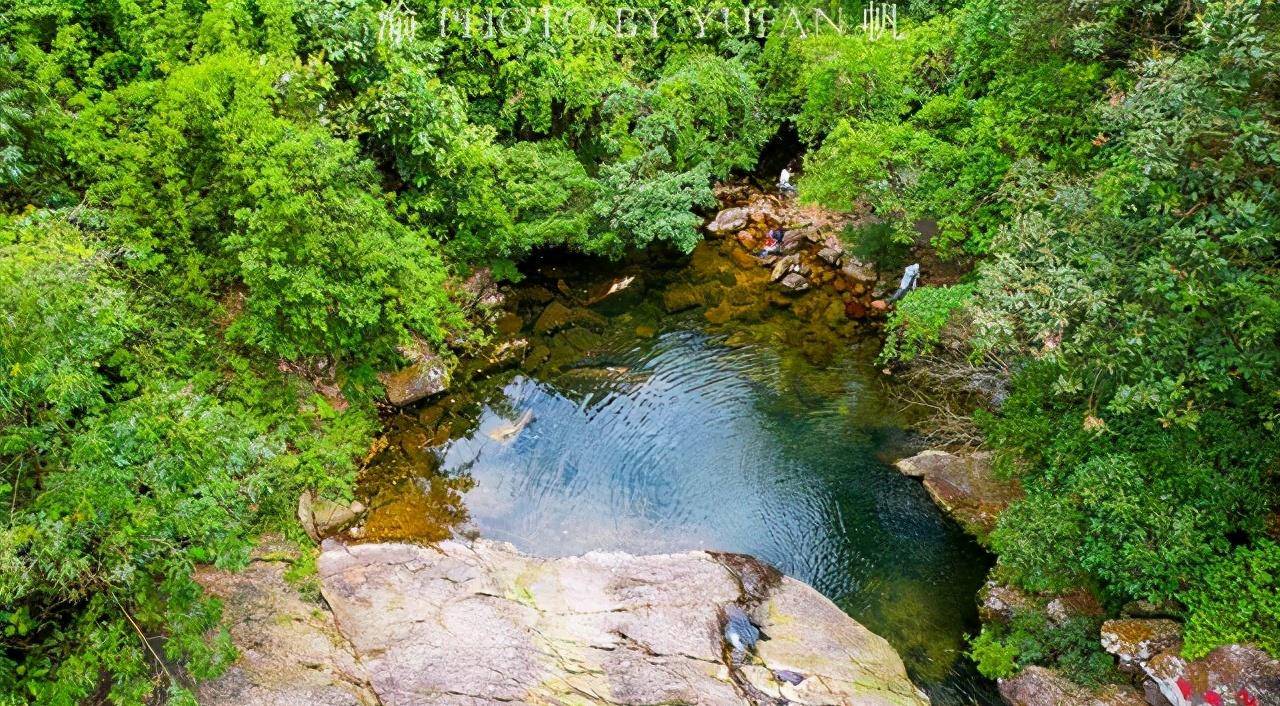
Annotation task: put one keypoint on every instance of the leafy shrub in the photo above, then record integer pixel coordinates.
(1238, 601)
(105, 553)
(916, 323)
(1071, 646)
(996, 659)
(875, 243)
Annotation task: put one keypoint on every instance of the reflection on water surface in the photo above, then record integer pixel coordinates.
(648, 430)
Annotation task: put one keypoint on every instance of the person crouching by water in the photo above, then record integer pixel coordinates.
(910, 278)
(773, 242)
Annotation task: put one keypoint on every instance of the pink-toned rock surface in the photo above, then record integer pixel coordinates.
(1037, 686)
(480, 623)
(291, 652)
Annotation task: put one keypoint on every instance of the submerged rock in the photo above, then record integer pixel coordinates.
(508, 431)
(557, 316)
(964, 486)
(480, 623)
(603, 290)
(680, 297)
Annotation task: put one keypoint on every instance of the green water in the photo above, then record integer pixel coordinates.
(653, 430)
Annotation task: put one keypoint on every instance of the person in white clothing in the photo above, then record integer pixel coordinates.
(910, 278)
(784, 182)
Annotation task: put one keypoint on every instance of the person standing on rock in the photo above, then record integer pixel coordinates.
(910, 278)
(784, 183)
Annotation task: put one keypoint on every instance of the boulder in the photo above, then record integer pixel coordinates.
(831, 256)
(783, 266)
(729, 220)
(964, 486)
(557, 316)
(855, 269)
(499, 356)
(479, 623)
(1239, 674)
(1136, 640)
(795, 282)
(998, 603)
(787, 265)
(481, 289)
(290, 650)
(321, 517)
(1037, 686)
(1076, 604)
(427, 375)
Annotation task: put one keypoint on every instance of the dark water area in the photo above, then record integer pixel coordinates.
(651, 426)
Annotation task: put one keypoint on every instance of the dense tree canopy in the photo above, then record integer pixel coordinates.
(219, 217)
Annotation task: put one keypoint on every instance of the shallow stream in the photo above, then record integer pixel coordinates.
(696, 407)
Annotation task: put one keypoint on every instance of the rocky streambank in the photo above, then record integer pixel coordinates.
(476, 622)
(1145, 641)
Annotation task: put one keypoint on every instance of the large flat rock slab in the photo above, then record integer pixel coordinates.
(472, 623)
(291, 653)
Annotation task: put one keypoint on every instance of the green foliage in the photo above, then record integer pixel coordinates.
(643, 204)
(143, 492)
(59, 340)
(915, 325)
(1071, 646)
(995, 658)
(220, 218)
(875, 243)
(1145, 294)
(708, 106)
(929, 126)
(1239, 601)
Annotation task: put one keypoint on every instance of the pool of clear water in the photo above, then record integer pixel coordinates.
(654, 430)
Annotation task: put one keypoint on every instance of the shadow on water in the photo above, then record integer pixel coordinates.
(699, 408)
